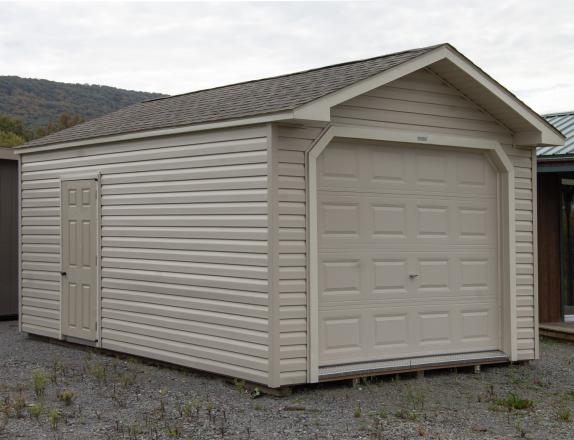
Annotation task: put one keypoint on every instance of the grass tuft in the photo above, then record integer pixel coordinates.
(66, 397)
(39, 381)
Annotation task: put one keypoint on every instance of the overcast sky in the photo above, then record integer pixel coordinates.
(180, 47)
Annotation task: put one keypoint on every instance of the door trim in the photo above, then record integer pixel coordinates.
(97, 177)
(506, 210)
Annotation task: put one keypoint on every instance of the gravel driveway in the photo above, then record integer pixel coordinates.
(54, 391)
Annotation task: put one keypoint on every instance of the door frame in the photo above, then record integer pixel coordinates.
(506, 227)
(97, 177)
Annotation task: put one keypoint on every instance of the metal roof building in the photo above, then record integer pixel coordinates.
(563, 121)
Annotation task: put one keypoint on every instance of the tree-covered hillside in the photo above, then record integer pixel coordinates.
(37, 102)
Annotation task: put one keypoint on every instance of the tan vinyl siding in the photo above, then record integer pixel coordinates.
(292, 143)
(423, 103)
(184, 252)
(524, 203)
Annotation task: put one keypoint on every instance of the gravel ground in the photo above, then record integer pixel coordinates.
(112, 398)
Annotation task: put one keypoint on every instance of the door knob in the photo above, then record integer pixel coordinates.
(412, 276)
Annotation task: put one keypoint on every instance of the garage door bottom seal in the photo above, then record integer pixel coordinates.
(413, 363)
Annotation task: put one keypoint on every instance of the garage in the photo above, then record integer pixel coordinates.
(356, 219)
(408, 252)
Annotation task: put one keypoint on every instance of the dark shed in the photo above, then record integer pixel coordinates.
(8, 234)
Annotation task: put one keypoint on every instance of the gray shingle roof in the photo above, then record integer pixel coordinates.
(264, 96)
(565, 123)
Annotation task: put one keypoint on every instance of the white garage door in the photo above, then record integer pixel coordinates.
(408, 262)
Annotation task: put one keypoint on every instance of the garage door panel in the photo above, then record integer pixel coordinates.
(366, 275)
(341, 280)
(340, 166)
(408, 253)
(365, 219)
(342, 335)
(403, 331)
(411, 169)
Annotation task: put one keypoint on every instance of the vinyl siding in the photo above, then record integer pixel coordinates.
(292, 141)
(526, 319)
(423, 103)
(184, 250)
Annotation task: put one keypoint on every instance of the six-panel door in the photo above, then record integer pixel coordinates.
(408, 254)
(79, 259)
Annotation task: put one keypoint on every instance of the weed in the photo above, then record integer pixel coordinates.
(383, 413)
(357, 412)
(54, 418)
(239, 385)
(162, 396)
(512, 401)
(421, 431)
(185, 410)
(376, 429)
(196, 406)
(172, 431)
(406, 414)
(257, 407)
(255, 393)
(416, 398)
(57, 369)
(35, 410)
(97, 371)
(18, 404)
(127, 378)
(210, 408)
(564, 414)
(39, 382)
(66, 397)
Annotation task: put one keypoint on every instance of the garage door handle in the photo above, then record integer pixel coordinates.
(412, 276)
(63, 274)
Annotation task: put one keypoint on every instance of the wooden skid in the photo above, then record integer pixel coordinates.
(557, 334)
(418, 370)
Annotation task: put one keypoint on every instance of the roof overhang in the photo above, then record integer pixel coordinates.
(256, 120)
(8, 154)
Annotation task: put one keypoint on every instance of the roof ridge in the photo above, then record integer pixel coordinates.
(299, 72)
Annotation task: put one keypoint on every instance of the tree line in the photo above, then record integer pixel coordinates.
(14, 132)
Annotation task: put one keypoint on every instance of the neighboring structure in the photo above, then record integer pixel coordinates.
(556, 229)
(359, 218)
(8, 234)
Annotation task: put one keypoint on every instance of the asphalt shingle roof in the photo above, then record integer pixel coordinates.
(252, 98)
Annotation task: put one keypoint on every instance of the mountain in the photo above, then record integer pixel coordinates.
(37, 102)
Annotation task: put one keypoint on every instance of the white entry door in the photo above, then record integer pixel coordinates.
(408, 252)
(79, 258)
